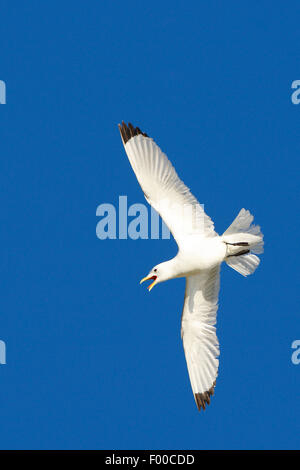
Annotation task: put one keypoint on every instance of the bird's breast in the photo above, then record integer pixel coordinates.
(196, 255)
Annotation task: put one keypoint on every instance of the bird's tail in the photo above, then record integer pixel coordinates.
(243, 239)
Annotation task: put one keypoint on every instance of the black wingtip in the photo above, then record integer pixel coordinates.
(203, 399)
(129, 131)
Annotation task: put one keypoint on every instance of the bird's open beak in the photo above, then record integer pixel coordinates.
(147, 278)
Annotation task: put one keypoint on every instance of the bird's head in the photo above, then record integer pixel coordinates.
(161, 272)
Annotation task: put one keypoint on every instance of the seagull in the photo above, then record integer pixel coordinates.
(201, 252)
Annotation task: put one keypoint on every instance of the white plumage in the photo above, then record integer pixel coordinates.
(201, 252)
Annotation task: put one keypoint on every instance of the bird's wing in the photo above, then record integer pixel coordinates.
(198, 333)
(162, 187)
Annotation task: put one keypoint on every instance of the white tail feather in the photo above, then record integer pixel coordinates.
(244, 264)
(242, 231)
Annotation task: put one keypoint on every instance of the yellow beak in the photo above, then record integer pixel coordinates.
(147, 278)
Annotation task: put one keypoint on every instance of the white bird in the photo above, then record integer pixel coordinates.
(200, 253)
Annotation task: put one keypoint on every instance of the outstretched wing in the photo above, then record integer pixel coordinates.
(198, 333)
(162, 187)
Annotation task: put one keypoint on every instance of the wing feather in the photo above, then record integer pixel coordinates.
(198, 333)
(162, 187)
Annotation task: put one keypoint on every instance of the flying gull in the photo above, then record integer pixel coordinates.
(200, 253)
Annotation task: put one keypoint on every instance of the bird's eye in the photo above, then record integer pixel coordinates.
(155, 270)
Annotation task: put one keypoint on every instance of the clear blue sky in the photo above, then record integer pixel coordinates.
(93, 360)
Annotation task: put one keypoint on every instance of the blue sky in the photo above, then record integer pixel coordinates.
(93, 359)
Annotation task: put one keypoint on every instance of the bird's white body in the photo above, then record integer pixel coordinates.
(196, 255)
(200, 254)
